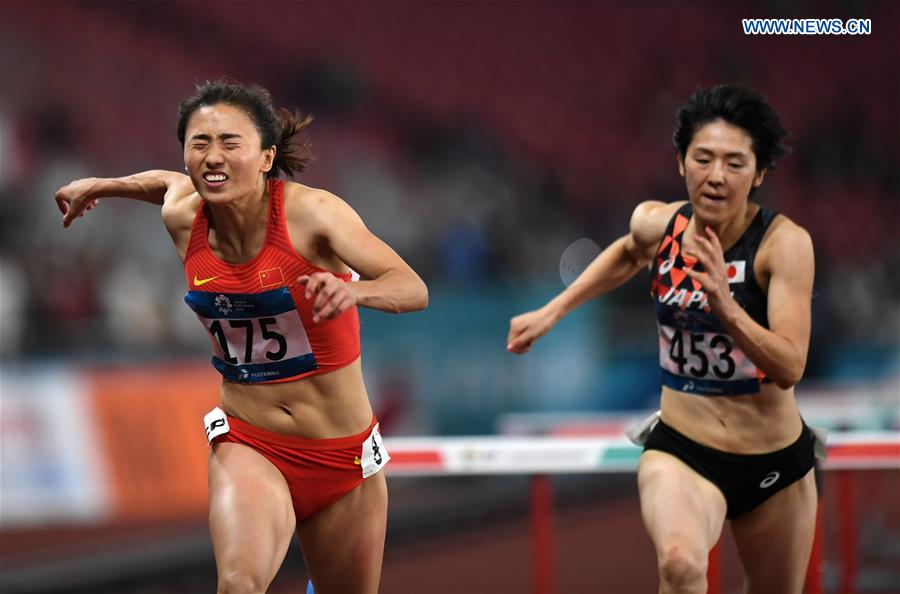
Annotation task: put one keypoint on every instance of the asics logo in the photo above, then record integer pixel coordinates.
(769, 480)
(666, 266)
(198, 282)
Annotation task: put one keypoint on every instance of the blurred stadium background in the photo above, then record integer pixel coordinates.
(479, 139)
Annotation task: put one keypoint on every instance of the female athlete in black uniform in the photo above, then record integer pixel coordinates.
(732, 285)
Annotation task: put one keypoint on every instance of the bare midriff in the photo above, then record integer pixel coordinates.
(750, 424)
(333, 404)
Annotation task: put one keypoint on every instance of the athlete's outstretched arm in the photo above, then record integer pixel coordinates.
(613, 267)
(81, 195)
(778, 351)
(389, 284)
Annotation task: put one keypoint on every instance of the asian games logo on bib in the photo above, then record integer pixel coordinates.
(224, 304)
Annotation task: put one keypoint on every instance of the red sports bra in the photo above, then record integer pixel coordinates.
(256, 313)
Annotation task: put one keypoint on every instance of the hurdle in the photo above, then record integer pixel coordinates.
(539, 457)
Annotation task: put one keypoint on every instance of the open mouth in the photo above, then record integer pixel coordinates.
(713, 197)
(214, 179)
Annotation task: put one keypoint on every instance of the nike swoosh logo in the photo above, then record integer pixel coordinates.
(197, 283)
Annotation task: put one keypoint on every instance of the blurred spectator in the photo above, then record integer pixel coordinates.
(12, 307)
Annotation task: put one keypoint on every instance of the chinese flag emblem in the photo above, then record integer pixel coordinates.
(271, 277)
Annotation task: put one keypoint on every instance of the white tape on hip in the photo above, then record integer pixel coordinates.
(374, 454)
(216, 424)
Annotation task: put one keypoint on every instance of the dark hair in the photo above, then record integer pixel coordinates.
(277, 129)
(740, 107)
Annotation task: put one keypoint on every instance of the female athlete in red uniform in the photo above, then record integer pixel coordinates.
(268, 271)
(732, 285)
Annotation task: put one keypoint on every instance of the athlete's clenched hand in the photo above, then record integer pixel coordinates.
(526, 328)
(333, 295)
(75, 199)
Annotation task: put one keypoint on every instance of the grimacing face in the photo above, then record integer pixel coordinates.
(222, 153)
(719, 169)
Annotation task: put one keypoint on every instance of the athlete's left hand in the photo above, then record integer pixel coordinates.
(333, 296)
(714, 278)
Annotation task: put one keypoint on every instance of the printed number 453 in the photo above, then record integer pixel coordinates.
(723, 367)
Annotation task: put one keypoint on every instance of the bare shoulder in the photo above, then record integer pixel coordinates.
(649, 221)
(786, 244)
(180, 188)
(299, 198)
(785, 254)
(314, 208)
(180, 206)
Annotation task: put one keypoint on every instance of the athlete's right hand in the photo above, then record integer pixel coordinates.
(526, 328)
(74, 199)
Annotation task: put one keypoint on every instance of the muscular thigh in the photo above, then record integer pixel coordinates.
(251, 518)
(343, 544)
(679, 507)
(775, 539)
